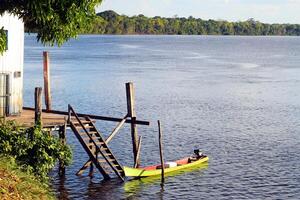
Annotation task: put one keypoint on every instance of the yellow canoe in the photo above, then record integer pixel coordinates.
(154, 170)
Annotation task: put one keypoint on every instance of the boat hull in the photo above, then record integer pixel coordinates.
(152, 171)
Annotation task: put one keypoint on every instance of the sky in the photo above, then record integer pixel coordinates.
(268, 11)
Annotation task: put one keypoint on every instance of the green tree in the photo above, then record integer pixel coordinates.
(53, 21)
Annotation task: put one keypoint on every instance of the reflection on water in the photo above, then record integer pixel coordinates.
(131, 188)
(134, 186)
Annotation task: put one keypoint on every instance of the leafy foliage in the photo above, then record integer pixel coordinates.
(3, 41)
(109, 22)
(16, 183)
(33, 148)
(53, 21)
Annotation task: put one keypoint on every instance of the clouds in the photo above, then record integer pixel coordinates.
(271, 11)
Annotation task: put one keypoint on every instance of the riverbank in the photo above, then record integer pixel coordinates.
(17, 184)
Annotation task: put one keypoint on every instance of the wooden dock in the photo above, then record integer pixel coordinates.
(55, 118)
(50, 120)
(83, 126)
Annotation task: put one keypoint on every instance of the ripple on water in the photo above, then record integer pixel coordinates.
(229, 96)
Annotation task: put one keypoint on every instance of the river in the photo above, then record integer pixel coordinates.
(235, 98)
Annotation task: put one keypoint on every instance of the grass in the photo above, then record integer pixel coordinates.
(16, 183)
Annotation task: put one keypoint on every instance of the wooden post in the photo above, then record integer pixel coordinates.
(38, 106)
(139, 151)
(62, 137)
(132, 115)
(161, 154)
(47, 85)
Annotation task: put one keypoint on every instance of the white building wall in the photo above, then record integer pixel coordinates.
(11, 61)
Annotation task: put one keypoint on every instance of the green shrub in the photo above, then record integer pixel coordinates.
(32, 148)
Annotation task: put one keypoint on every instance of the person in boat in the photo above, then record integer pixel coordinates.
(196, 156)
(198, 153)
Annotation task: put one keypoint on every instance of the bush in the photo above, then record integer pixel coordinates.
(32, 148)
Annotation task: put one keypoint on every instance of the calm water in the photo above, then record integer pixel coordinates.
(236, 98)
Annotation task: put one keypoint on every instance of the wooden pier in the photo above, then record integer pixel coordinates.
(83, 126)
(27, 118)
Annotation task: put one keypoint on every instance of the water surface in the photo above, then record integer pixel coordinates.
(236, 98)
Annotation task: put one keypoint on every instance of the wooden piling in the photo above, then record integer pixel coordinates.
(161, 154)
(132, 115)
(38, 106)
(139, 151)
(47, 85)
(62, 138)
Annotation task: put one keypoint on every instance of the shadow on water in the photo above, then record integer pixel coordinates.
(62, 190)
(131, 189)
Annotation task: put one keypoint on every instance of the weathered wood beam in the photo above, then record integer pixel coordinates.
(47, 85)
(161, 154)
(114, 132)
(131, 113)
(62, 138)
(97, 117)
(38, 106)
(139, 151)
(84, 167)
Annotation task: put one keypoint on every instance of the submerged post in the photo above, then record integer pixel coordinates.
(47, 86)
(38, 106)
(62, 138)
(132, 115)
(161, 154)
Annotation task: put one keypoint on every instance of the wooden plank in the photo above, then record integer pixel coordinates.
(161, 154)
(139, 151)
(47, 85)
(132, 115)
(62, 137)
(96, 117)
(114, 132)
(84, 167)
(38, 106)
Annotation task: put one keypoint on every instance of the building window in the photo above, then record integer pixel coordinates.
(17, 74)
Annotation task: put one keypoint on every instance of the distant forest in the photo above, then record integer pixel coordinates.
(109, 22)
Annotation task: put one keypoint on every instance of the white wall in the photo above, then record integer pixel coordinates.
(12, 60)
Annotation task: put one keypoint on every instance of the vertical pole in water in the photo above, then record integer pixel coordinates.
(62, 137)
(38, 106)
(161, 154)
(47, 86)
(132, 115)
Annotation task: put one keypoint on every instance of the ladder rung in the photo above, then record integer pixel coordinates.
(83, 133)
(86, 127)
(93, 132)
(83, 122)
(120, 168)
(104, 161)
(92, 137)
(99, 143)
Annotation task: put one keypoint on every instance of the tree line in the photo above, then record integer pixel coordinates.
(109, 22)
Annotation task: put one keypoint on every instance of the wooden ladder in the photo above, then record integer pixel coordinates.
(96, 147)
